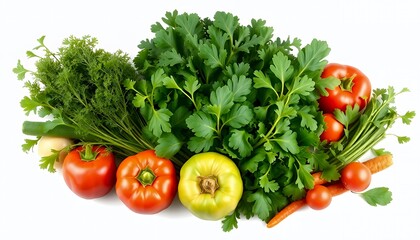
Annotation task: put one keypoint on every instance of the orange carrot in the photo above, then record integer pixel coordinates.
(285, 212)
(337, 188)
(375, 165)
(379, 163)
(318, 178)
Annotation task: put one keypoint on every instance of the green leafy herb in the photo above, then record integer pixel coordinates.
(245, 95)
(377, 196)
(81, 88)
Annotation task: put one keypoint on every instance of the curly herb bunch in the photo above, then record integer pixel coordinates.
(80, 88)
(217, 85)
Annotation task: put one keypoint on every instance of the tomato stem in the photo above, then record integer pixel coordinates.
(347, 83)
(88, 154)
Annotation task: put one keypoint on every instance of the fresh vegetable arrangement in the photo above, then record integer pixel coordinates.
(237, 122)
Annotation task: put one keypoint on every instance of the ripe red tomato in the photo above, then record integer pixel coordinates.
(334, 130)
(89, 171)
(146, 183)
(356, 177)
(318, 197)
(355, 88)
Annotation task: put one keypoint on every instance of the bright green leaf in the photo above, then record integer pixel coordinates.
(221, 100)
(251, 164)
(20, 71)
(311, 57)
(238, 116)
(261, 204)
(200, 144)
(29, 105)
(377, 196)
(287, 142)
(159, 122)
(227, 22)
(322, 84)
(308, 120)
(139, 100)
(302, 86)
(240, 87)
(168, 145)
(239, 140)
(29, 144)
(202, 124)
(212, 56)
(281, 67)
(268, 185)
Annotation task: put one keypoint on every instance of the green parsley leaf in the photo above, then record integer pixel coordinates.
(221, 101)
(227, 22)
(200, 144)
(312, 55)
(302, 86)
(261, 203)
(230, 221)
(159, 122)
(239, 140)
(407, 117)
(29, 105)
(212, 56)
(251, 164)
(322, 84)
(20, 71)
(29, 144)
(287, 141)
(238, 116)
(202, 124)
(48, 162)
(377, 196)
(240, 87)
(168, 145)
(281, 67)
(268, 185)
(308, 120)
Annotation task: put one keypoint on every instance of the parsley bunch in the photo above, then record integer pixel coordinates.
(217, 85)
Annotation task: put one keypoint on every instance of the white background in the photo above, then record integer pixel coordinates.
(381, 38)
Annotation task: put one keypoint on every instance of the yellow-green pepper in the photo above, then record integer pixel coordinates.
(210, 185)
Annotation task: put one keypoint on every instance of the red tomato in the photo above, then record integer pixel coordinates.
(355, 88)
(356, 177)
(89, 171)
(146, 183)
(318, 197)
(334, 130)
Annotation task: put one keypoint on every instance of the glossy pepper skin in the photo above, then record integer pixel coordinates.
(89, 171)
(146, 183)
(355, 88)
(210, 185)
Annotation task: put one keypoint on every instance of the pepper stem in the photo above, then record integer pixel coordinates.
(146, 177)
(208, 184)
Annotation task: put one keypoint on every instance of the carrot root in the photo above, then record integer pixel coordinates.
(379, 163)
(285, 212)
(375, 165)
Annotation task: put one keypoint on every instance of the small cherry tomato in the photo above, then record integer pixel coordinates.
(89, 171)
(356, 177)
(334, 130)
(318, 197)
